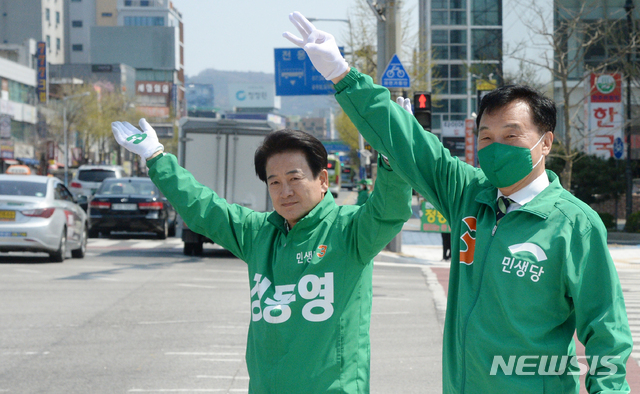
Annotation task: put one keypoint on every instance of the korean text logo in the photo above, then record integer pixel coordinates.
(316, 293)
(521, 265)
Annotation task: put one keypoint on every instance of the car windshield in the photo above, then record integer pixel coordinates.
(95, 175)
(21, 188)
(140, 187)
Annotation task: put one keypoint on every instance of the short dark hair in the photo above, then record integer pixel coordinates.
(288, 140)
(543, 109)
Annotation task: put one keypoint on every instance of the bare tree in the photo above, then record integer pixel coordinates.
(363, 39)
(569, 37)
(90, 116)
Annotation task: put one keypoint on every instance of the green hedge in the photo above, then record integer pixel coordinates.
(633, 223)
(608, 220)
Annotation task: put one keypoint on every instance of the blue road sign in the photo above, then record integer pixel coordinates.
(395, 76)
(618, 148)
(335, 146)
(296, 76)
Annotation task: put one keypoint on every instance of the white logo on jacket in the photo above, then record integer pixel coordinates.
(520, 266)
(531, 248)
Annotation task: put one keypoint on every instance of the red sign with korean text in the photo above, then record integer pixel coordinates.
(469, 141)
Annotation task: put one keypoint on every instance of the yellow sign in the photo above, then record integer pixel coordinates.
(482, 84)
(432, 221)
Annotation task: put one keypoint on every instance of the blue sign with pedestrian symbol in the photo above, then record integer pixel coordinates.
(395, 76)
(296, 76)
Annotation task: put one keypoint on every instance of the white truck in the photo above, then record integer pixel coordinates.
(219, 153)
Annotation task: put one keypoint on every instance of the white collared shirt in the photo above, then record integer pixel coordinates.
(527, 193)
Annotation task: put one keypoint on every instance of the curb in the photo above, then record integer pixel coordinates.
(399, 258)
(623, 238)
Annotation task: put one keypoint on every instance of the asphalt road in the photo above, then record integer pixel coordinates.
(136, 316)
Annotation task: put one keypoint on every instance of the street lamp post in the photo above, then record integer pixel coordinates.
(628, 7)
(65, 131)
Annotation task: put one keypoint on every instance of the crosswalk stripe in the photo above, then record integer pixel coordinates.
(630, 282)
(170, 243)
(102, 242)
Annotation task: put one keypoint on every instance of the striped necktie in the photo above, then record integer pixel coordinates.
(503, 206)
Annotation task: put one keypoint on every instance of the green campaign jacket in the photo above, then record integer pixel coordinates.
(310, 287)
(518, 290)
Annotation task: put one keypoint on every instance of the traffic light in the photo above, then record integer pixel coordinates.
(422, 109)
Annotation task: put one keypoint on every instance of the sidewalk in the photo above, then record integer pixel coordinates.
(425, 249)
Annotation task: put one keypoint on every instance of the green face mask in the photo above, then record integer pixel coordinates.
(505, 165)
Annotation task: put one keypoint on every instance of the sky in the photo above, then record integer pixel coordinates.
(240, 35)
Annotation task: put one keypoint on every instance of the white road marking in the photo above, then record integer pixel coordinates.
(196, 286)
(238, 271)
(201, 354)
(378, 298)
(28, 271)
(178, 390)
(235, 360)
(102, 243)
(192, 321)
(145, 245)
(390, 313)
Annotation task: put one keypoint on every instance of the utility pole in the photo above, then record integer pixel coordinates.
(389, 37)
(389, 43)
(628, 7)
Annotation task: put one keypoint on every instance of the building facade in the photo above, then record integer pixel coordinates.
(596, 125)
(314, 126)
(81, 17)
(20, 21)
(144, 34)
(18, 114)
(110, 77)
(464, 40)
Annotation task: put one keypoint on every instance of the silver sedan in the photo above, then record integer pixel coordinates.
(39, 214)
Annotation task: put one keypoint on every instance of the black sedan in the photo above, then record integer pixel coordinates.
(133, 205)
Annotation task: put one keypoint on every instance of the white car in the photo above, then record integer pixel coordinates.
(39, 214)
(88, 178)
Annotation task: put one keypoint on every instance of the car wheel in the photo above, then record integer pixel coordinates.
(165, 230)
(59, 255)
(80, 252)
(172, 229)
(188, 248)
(94, 233)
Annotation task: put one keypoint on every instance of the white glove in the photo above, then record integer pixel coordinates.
(319, 45)
(404, 103)
(143, 143)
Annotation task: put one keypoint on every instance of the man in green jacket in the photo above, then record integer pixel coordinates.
(310, 262)
(363, 193)
(530, 264)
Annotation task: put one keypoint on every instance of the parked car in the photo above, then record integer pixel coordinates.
(88, 178)
(131, 204)
(39, 214)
